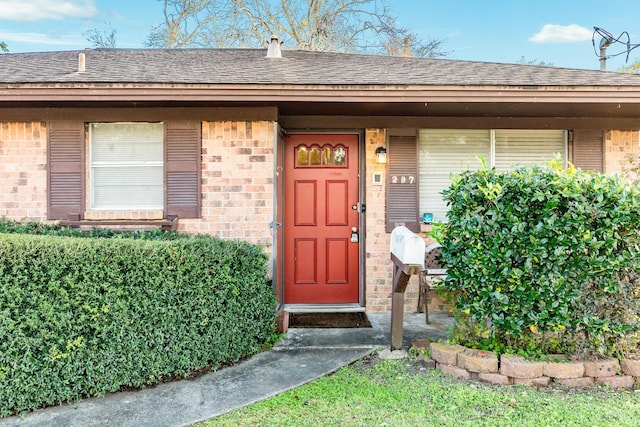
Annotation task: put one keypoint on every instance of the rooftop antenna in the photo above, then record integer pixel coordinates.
(605, 42)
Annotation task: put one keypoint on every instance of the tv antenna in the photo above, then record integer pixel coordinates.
(607, 39)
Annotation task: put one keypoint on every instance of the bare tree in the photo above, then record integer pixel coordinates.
(363, 26)
(188, 23)
(525, 61)
(102, 38)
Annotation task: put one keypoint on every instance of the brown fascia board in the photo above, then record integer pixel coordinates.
(317, 93)
(128, 113)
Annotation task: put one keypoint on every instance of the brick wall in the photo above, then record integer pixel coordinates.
(621, 151)
(378, 264)
(237, 181)
(23, 170)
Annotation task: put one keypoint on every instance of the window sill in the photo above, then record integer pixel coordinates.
(165, 224)
(131, 215)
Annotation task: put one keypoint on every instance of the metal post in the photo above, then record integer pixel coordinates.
(401, 275)
(400, 281)
(603, 58)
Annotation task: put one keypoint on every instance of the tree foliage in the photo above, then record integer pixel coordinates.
(357, 26)
(633, 68)
(4, 47)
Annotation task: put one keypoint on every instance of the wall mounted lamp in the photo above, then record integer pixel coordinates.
(381, 155)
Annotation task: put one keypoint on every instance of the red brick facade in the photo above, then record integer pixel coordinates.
(237, 188)
(621, 151)
(23, 171)
(237, 181)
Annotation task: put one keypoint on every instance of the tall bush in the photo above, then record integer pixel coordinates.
(544, 258)
(84, 317)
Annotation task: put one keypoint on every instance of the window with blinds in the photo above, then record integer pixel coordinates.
(519, 147)
(126, 166)
(443, 152)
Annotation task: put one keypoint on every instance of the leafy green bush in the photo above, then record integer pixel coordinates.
(83, 317)
(544, 259)
(55, 229)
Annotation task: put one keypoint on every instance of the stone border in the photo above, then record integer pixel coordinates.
(469, 364)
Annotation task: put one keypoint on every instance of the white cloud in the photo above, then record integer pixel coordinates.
(37, 10)
(552, 33)
(38, 38)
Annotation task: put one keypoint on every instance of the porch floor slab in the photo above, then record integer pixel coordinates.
(300, 357)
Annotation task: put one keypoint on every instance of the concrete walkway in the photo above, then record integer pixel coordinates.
(300, 357)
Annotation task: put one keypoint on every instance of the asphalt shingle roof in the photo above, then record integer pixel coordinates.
(250, 66)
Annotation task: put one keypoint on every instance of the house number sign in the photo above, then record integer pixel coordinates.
(403, 179)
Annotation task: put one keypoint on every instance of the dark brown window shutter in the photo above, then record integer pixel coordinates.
(402, 180)
(587, 152)
(66, 159)
(182, 169)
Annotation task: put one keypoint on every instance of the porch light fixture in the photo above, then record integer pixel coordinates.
(381, 156)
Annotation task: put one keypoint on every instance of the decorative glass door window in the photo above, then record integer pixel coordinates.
(315, 156)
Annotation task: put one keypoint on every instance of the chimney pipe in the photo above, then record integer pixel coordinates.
(274, 48)
(81, 63)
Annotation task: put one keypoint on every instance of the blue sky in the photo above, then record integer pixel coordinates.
(558, 32)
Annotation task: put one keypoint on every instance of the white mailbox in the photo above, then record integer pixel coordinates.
(407, 247)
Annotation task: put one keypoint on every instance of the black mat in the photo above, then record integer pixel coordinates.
(329, 320)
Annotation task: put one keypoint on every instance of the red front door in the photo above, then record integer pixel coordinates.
(321, 247)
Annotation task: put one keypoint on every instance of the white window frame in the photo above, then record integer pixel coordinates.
(131, 162)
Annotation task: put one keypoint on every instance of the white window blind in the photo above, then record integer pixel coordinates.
(520, 147)
(441, 153)
(126, 166)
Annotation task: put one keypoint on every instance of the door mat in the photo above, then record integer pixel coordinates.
(329, 320)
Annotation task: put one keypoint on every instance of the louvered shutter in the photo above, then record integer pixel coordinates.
(66, 158)
(444, 152)
(588, 149)
(182, 169)
(402, 183)
(520, 147)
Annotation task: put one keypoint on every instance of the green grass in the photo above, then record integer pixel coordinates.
(397, 393)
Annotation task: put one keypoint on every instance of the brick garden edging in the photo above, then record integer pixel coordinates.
(469, 364)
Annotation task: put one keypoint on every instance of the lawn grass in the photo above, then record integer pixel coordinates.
(376, 392)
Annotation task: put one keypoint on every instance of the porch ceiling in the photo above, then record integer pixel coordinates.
(464, 109)
(624, 108)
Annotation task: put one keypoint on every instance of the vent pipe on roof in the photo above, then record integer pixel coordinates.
(274, 48)
(81, 63)
(604, 44)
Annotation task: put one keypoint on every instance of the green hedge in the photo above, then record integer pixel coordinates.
(55, 229)
(83, 317)
(544, 259)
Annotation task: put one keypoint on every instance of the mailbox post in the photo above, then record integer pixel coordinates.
(407, 254)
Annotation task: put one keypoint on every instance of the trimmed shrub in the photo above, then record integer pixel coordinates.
(544, 259)
(55, 229)
(83, 317)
